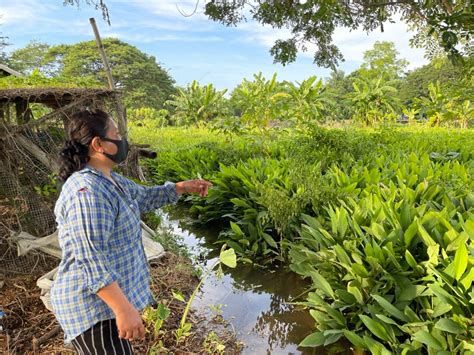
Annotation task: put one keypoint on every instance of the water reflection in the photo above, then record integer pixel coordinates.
(253, 300)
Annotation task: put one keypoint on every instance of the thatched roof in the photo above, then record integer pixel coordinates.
(9, 71)
(53, 97)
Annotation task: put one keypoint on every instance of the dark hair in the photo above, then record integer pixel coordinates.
(81, 128)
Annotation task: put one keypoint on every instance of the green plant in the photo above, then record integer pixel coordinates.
(156, 317)
(259, 101)
(226, 257)
(197, 103)
(373, 100)
(50, 188)
(212, 344)
(307, 102)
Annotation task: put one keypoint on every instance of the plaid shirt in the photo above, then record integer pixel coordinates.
(100, 235)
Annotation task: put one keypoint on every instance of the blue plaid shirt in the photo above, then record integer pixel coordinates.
(100, 236)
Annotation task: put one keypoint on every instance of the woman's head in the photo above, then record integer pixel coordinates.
(92, 134)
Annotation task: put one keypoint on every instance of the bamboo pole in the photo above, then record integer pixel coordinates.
(121, 118)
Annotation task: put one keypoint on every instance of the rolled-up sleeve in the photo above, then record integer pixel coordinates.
(91, 218)
(151, 197)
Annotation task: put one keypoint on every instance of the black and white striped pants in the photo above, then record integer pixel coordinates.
(102, 339)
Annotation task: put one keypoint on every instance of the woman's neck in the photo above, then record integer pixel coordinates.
(106, 170)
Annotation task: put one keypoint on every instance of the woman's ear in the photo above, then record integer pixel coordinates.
(96, 145)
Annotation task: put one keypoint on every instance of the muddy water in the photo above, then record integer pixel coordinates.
(252, 300)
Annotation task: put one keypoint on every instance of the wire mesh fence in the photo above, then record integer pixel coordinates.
(32, 132)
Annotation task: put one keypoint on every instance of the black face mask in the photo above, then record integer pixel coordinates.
(122, 149)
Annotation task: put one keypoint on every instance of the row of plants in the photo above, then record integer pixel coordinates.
(381, 221)
(261, 102)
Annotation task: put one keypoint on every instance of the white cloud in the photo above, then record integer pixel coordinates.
(352, 44)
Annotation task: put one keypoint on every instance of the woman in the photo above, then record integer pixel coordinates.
(103, 279)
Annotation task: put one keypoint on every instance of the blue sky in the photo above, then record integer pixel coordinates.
(190, 48)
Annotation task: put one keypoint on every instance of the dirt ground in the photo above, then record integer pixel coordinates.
(32, 329)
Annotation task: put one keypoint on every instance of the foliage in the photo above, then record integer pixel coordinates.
(144, 82)
(391, 271)
(307, 101)
(148, 117)
(439, 108)
(373, 101)
(212, 344)
(416, 82)
(197, 103)
(259, 101)
(156, 317)
(38, 80)
(314, 21)
(375, 219)
(33, 56)
(383, 59)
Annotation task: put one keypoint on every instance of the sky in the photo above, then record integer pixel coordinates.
(190, 48)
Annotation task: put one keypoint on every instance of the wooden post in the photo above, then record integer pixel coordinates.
(122, 121)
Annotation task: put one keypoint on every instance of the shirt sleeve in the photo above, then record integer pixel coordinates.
(151, 197)
(92, 217)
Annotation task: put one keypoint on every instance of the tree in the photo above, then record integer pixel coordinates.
(143, 80)
(373, 101)
(454, 78)
(33, 56)
(447, 22)
(383, 59)
(314, 21)
(259, 101)
(338, 87)
(197, 103)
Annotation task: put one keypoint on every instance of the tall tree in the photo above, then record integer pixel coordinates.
(143, 80)
(454, 80)
(33, 56)
(384, 59)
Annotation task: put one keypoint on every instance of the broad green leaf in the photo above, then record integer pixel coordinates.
(467, 280)
(360, 270)
(354, 290)
(355, 339)
(411, 260)
(236, 229)
(313, 340)
(375, 347)
(394, 311)
(322, 284)
(460, 261)
(425, 237)
(228, 258)
(441, 308)
(178, 295)
(448, 325)
(411, 292)
(270, 241)
(410, 233)
(426, 338)
(433, 252)
(385, 319)
(375, 327)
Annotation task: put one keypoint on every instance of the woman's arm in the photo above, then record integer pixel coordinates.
(152, 197)
(129, 322)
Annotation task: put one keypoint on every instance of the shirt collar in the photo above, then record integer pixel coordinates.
(89, 168)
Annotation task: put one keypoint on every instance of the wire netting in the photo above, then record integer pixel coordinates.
(32, 123)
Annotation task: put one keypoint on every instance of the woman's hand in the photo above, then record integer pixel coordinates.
(198, 186)
(130, 325)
